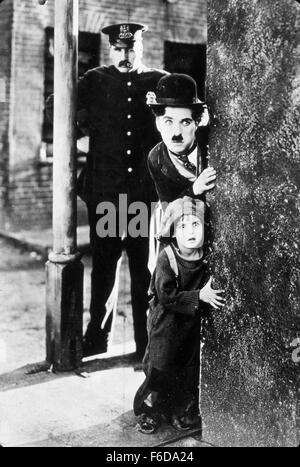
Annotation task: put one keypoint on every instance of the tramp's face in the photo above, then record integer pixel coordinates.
(126, 58)
(177, 129)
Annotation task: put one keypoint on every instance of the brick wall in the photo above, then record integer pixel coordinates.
(30, 190)
(5, 66)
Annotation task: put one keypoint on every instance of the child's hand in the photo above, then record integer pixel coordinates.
(212, 297)
(205, 181)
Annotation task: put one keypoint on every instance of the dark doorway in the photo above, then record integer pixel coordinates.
(189, 59)
(88, 57)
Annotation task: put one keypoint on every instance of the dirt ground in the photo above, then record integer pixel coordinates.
(22, 304)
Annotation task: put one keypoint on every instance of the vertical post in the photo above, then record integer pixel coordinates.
(64, 269)
(65, 90)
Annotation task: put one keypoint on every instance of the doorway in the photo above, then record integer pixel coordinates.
(189, 59)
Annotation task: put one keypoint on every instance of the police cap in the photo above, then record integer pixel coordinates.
(124, 34)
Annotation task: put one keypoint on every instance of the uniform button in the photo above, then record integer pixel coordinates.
(129, 133)
(130, 170)
(128, 152)
(129, 99)
(129, 116)
(129, 83)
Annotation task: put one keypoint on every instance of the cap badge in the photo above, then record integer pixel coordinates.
(125, 32)
(151, 98)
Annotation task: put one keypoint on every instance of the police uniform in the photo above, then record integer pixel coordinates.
(122, 132)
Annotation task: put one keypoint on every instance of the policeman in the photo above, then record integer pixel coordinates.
(122, 132)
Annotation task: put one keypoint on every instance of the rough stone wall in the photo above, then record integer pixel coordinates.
(30, 189)
(250, 381)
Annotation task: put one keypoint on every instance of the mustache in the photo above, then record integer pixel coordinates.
(125, 64)
(177, 139)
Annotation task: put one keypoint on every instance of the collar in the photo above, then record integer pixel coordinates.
(142, 69)
(186, 258)
(188, 152)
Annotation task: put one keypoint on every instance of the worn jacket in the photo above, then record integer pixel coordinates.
(175, 314)
(122, 132)
(169, 183)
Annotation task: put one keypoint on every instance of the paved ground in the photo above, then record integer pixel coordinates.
(22, 299)
(39, 408)
(93, 406)
(71, 410)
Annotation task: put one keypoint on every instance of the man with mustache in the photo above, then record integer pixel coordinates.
(178, 164)
(114, 113)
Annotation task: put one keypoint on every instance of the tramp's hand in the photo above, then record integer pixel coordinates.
(83, 144)
(205, 181)
(211, 296)
(204, 118)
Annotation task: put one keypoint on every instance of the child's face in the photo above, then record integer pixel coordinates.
(189, 233)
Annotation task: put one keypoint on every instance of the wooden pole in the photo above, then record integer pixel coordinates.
(64, 269)
(65, 91)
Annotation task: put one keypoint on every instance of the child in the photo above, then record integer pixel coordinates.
(182, 293)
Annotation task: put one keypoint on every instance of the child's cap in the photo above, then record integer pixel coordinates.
(180, 207)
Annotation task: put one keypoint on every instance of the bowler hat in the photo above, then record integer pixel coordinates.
(124, 34)
(175, 90)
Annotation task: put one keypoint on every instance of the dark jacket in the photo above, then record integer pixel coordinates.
(169, 183)
(122, 132)
(175, 313)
